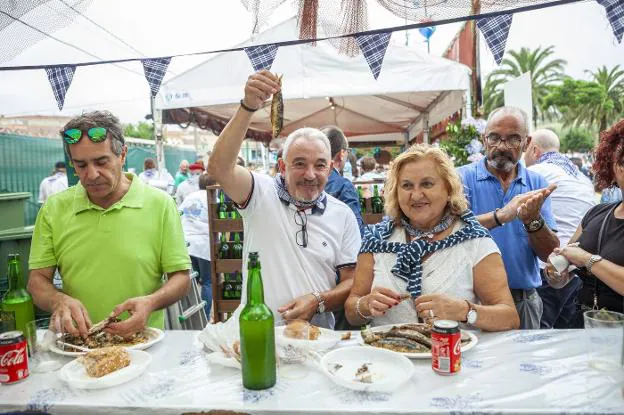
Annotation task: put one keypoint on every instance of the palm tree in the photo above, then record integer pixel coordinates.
(545, 72)
(611, 107)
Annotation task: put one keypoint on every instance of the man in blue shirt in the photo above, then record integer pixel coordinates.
(338, 186)
(513, 203)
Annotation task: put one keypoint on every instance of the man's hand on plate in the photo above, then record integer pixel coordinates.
(139, 309)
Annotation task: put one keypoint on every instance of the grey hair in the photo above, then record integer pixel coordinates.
(98, 119)
(508, 110)
(307, 133)
(546, 140)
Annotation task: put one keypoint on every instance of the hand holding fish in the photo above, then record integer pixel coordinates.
(259, 88)
(380, 300)
(441, 307)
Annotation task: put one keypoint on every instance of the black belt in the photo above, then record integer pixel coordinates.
(518, 294)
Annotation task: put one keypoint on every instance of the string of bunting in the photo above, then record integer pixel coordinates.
(494, 26)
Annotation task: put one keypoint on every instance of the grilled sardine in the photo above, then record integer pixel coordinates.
(277, 111)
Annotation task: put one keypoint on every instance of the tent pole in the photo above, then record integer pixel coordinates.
(158, 136)
(426, 128)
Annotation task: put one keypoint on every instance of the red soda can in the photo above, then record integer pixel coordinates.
(446, 347)
(13, 357)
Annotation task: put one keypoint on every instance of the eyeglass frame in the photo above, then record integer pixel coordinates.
(304, 228)
(509, 141)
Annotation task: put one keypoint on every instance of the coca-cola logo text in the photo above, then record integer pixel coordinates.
(457, 348)
(13, 357)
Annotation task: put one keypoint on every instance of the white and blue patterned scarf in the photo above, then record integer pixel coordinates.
(409, 255)
(560, 160)
(317, 205)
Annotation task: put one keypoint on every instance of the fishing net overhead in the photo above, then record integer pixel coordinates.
(25, 22)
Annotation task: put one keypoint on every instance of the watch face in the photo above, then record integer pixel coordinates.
(472, 317)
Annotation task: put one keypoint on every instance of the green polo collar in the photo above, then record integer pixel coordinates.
(133, 198)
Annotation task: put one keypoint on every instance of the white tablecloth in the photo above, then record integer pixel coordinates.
(514, 372)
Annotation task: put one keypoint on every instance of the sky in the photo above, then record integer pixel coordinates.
(580, 34)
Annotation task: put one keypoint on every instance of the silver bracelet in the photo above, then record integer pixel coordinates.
(359, 312)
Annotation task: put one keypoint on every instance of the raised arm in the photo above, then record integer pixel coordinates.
(235, 180)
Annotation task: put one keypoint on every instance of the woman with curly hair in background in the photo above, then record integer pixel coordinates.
(596, 247)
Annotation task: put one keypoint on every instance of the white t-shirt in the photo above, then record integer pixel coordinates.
(194, 219)
(447, 271)
(572, 199)
(51, 185)
(163, 181)
(187, 187)
(289, 270)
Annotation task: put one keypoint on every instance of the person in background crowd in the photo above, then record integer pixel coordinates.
(369, 174)
(602, 270)
(431, 247)
(160, 180)
(578, 162)
(355, 171)
(302, 234)
(611, 194)
(191, 185)
(182, 174)
(338, 186)
(53, 184)
(201, 163)
(111, 237)
(513, 203)
(194, 217)
(573, 198)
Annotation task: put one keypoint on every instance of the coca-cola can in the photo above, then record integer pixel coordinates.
(446, 347)
(13, 357)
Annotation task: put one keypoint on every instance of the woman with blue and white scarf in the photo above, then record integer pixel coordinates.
(430, 257)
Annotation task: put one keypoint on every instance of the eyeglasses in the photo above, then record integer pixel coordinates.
(510, 141)
(96, 134)
(301, 219)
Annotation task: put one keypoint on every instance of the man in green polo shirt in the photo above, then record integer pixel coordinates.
(111, 237)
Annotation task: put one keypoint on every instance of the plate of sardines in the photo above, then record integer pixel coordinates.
(412, 340)
(68, 345)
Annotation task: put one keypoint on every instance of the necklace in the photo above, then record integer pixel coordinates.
(443, 225)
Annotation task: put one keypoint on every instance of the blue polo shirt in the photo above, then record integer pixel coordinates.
(343, 190)
(485, 193)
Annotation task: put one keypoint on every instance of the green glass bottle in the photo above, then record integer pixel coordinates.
(257, 333)
(362, 200)
(238, 285)
(222, 209)
(237, 247)
(224, 248)
(17, 302)
(376, 201)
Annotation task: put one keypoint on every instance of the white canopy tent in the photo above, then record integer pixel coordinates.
(322, 87)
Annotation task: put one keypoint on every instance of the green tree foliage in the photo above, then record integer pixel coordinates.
(577, 140)
(143, 130)
(459, 137)
(545, 73)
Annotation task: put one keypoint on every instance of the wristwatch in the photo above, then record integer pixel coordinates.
(471, 317)
(321, 301)
(592, 260)
(535, 225)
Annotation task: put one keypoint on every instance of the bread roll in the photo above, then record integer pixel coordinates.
(300, 329)
(103, 361)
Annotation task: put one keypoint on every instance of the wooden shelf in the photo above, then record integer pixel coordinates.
(225, 306)
(225, 266)
(372, 218)
(227, 225)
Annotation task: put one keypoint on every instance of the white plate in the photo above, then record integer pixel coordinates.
(75, 375)
(423, 355)
(156, 335)
(326, 340)
(389, 370)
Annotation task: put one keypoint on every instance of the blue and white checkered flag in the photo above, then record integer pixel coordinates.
(155, 70)
(374, 49)
(60, 78)
(261, 56)
(615, 14)
(495, 30)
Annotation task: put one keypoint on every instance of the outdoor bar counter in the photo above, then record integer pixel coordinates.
(542, 371)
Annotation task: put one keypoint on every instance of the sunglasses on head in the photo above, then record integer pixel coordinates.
(96, 134)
